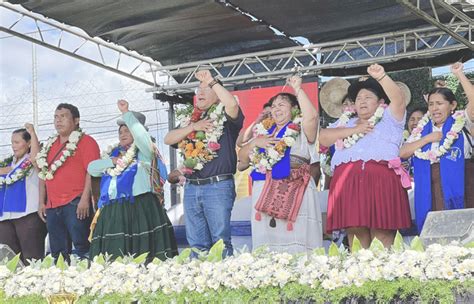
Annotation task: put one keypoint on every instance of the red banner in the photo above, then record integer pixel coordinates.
(251, 101)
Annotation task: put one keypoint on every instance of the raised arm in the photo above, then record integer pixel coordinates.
(141, 138)
(310, 115)
(397, 103)
(35, 146)
(457, 70)
(230, 104)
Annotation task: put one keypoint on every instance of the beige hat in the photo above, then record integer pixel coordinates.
(332, 96)
(405, 91)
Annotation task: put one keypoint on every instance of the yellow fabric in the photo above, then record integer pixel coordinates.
(242, 183)
(94, 222)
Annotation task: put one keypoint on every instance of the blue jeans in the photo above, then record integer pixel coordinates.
(64, 226)
(207, 210)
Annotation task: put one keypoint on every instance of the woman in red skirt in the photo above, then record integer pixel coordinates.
(367, 195)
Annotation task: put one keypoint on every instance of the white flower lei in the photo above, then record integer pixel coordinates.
(122, 162)
(354, 138)
(451, 136)
(261, 162)
(218, 119)
(18, 175)
(41, 159)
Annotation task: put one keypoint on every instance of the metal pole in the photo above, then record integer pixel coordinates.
(76, 56)
(34, 79)
(63, 27)
(313, 69)
(173, 159)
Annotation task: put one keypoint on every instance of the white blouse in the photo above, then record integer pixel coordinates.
(32, 193)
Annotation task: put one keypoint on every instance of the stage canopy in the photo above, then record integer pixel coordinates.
(179, 31)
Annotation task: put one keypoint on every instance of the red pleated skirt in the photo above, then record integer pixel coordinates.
(367, 194)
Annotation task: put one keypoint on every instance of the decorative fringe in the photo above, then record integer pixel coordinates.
(273, 222)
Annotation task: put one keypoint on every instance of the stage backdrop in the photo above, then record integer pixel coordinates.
(251, 102)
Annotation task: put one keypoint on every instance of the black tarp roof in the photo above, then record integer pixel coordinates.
(179, 31)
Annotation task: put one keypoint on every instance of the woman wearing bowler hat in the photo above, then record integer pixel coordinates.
(367, 195)
(131, 218)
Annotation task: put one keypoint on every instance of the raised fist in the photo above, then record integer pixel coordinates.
(29, 128)
(376, 71)
(294, 82)
(122, 104)
(457, 68)
(204, 76)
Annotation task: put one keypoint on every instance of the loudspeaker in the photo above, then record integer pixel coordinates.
(446, 226)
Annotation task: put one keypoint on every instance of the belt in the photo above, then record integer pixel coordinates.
(209, 180)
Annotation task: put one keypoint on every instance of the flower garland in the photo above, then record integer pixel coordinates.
(23, 171)
(263, 161)
(354, 138)
(6, 162)
(326, 157)
(106, 154)
(434, 155)
(200, 147)
(47, 172)
(406, 135)
(123, 161)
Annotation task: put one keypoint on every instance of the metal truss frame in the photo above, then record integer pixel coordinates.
(431, 15)
(313, 59)
(102, 47)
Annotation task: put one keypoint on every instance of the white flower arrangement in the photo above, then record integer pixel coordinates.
(47, 171)
(434, 155)
(245, 271)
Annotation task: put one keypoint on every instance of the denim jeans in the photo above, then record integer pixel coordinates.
(207, 210)
(64, 226)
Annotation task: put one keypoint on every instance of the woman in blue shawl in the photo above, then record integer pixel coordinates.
(441, 147)
(131, 218)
